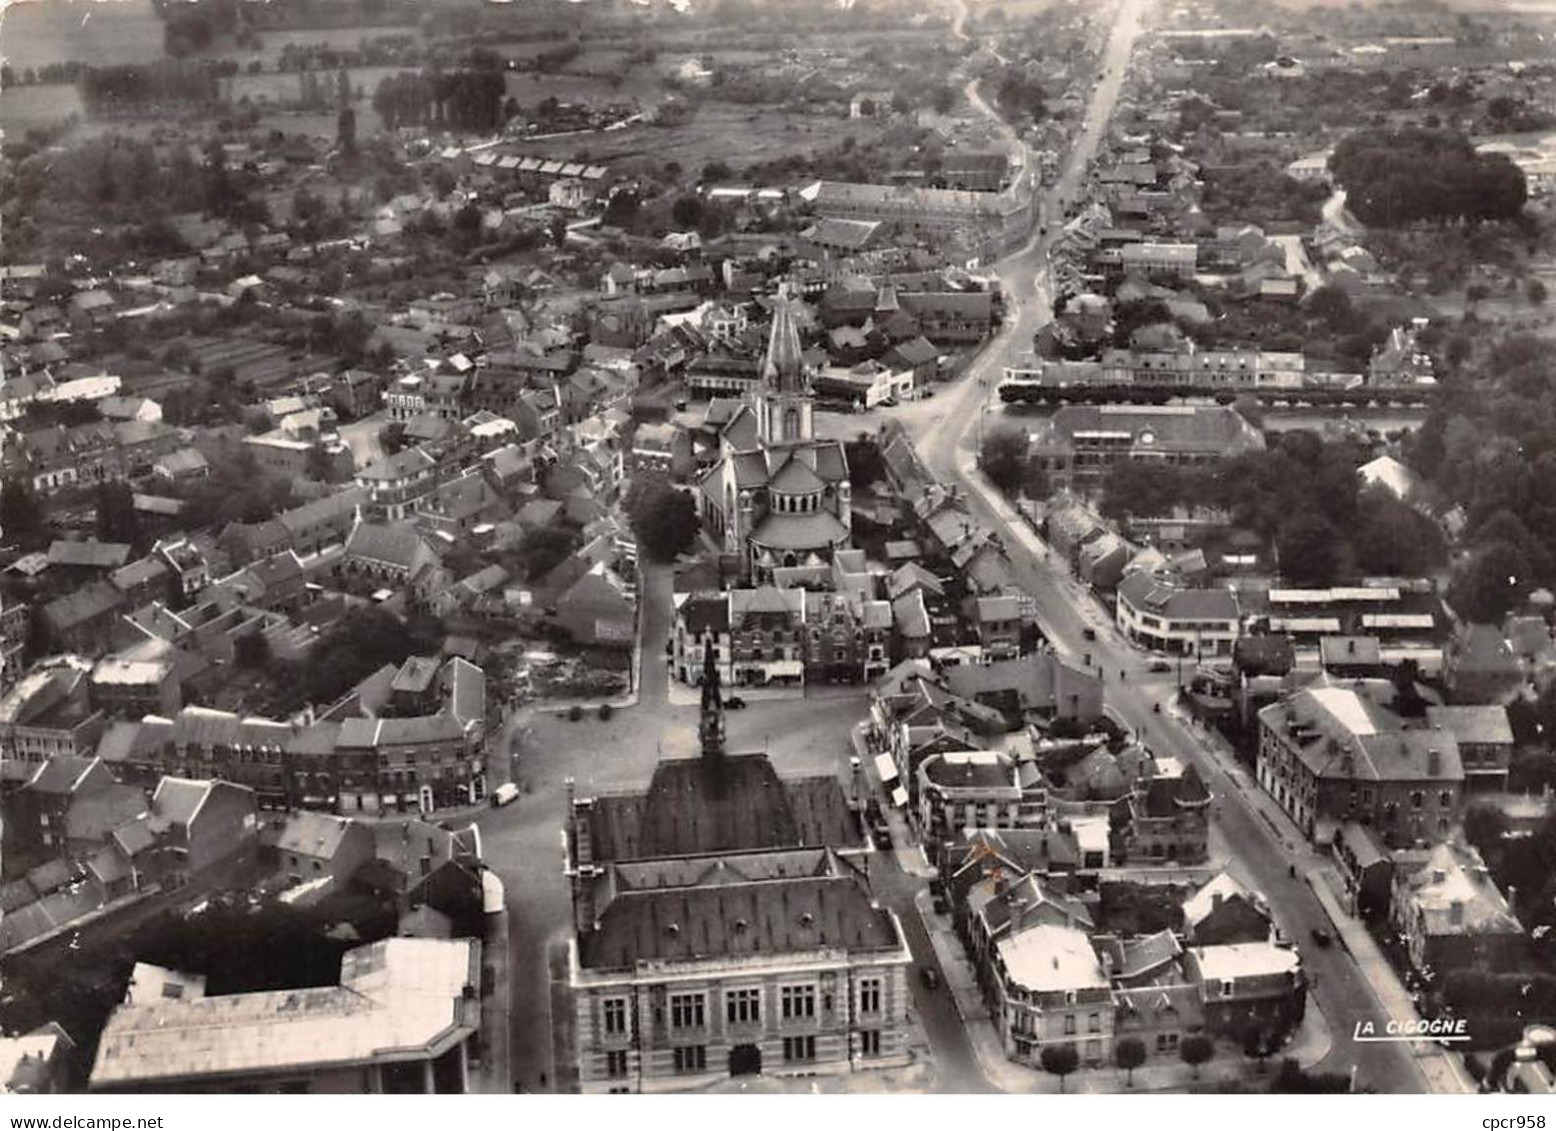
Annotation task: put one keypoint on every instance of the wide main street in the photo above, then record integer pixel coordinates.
(1265, 858)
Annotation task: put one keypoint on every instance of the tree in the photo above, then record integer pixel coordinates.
(1129, 1052)
(116, 519)
(1293, 1080)
(1395, 178)
(687, 212)
(1034, 481)
(1195, 1051)
(22, 519)
(1309, 549)
(543, 550)
(1060, 1061)
(1491, 583)
(1004, 458)
(252, 652)
(944, 98)
(346, 130)
(663, 519)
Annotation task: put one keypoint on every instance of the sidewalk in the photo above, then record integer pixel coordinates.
(904, 842)
(1443, 1069)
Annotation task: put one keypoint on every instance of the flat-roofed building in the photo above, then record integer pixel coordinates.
(401, 1021)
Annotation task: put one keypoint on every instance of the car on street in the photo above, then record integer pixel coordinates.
(930, 977)
(1089, 633)
(1160, 665)
(734, 703)
(1322, 937)
(504, 794)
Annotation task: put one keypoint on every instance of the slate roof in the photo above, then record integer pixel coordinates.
(396, 545)
(60, 774)
(707, 907)
(735, 803)
(819, 529)
(89, 554)
(313, 834)
(92, 817)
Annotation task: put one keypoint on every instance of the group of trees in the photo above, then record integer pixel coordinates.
(663, 519)
(1489, 445)
(1004, 459)
(1020, 97)
(365, 640)
(1260, 193)
(1396, 178)
(1129, 1053)
(137, 87)
(469, 100)
(1301, 494)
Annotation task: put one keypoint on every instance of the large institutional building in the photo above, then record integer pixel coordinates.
(724, 929)
(778, 496)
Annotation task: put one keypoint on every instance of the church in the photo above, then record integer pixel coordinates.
(777, 495)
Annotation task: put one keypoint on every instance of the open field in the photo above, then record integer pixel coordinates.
(764, 133)
(34, 33)
(25, 107)
(530, 87)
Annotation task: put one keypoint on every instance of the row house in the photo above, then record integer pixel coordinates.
(767, 637)
(848, 637)
(372, 766)
(1201, 368)
(87, 454)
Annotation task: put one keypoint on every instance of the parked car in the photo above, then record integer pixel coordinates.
(930, 977)
(734, 703)
(941, 906)
(1160, 665)
(1322, 937)
(504, 794)
(1089, 633)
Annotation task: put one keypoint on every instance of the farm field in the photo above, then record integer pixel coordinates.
(27, 107)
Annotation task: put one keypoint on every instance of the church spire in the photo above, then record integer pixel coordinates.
(783, 369)
(710, 727)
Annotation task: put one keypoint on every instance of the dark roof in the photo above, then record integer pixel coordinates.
(705, 612)
(60, 774)
(83, 606)
(732, 803)
(93, 816)
(748, 904)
